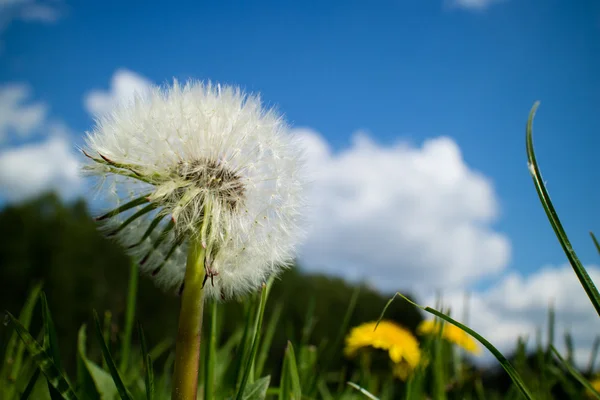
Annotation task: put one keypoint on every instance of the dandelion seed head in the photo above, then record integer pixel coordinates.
(171, 156)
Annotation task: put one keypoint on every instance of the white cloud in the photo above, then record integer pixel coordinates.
(17, 114)
(400, 216)
(518, 305)
(472, 4)
(124, 85)
(28, 170)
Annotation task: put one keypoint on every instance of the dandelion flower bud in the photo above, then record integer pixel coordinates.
(200, 162)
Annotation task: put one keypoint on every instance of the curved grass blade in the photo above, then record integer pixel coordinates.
(109, 361)
(582, 275)
(512, 372)
(576, 374)
(363, 391)
(44, 361)
(147, 364)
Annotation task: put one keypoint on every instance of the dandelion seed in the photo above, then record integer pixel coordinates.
(200, 162)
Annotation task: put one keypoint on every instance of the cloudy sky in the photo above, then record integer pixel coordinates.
(412, 114)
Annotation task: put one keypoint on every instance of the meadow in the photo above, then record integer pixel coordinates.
(81, 323)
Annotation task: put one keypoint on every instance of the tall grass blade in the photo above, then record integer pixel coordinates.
(248, 370)
(292, 372)
(129, 316)
(109, 361)
(147, 360)
(265, 345)
(13, 355)
(582, 275)
(44, 361)
(94, 382)
(576, 374)
(50, 343)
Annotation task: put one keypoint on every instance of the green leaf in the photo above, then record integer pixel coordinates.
(44, 361)
(147, 364)
(13, 355)
(110, 362)
(258, 389)
(538, 181)
(514, 375)
(576, 374)
(95, 382)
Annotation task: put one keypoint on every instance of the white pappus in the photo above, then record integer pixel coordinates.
(177, 154)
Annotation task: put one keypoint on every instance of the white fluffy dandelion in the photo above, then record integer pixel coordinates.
(204, 163)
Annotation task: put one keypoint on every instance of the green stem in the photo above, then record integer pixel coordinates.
(187, 349)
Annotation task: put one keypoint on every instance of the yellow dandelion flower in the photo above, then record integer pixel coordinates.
(401, 346)
(451, 333)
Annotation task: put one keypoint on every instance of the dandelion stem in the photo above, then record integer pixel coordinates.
(187, 350)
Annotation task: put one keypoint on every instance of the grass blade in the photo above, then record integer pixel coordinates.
(50, 343)
(256, 390)
(576, 374)
(109, 361)
(44, 361)
(13, 355)
(94, 382)
(265, 346)
(147, 359)
(292, 372)
(363, 391)
(129, 316)
(595, 242)
(514, 375)
(30, 385)
(582, 275)
(256, 334)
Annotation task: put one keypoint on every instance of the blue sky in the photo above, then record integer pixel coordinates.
(399, 70)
